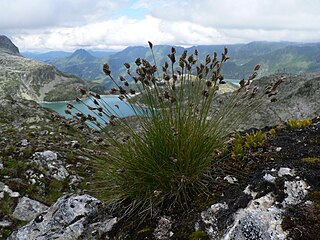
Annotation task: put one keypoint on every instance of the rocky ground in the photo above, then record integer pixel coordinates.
(271, 192)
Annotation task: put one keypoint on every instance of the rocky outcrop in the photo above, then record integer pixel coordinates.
(63, 220)
(7, 46)
(297, 98)
(27, 209)
(33, 80)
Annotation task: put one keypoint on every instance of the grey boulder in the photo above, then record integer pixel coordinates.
(66, 219)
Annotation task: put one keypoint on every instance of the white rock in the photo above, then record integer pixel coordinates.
(47, 155)
(24, 142)
(259, 220)
(269, 178)
(296, 191)
(210, 219)
(163, 228)
(249, 192)
(286, 171)
(230, 179)
(5, 223)
(14, 194)
(1, 164)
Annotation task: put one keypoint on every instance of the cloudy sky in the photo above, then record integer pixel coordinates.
(43, 25)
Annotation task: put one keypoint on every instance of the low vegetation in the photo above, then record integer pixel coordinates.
(167, 158)
(299, 123)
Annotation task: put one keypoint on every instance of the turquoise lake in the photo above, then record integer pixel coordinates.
(112, 100)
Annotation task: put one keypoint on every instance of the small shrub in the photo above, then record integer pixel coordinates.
(299, 123)
(168, 157)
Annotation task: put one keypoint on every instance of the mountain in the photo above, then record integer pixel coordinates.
(45, 57)
(25, 78)
(82, 64)
(274, 57)
(51, 55)
(101, 54)
(291, 59)
(6, 46)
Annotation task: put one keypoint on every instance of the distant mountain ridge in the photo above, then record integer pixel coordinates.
(274, 57)
(29, 79)
(52, 55)
(82, 64)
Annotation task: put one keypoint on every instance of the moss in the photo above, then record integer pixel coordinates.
(314, 196)
(13, 167)
(250, 141)
(311, 160)
(6, 232)
(255, 139)
(144, 231)
(6, 206)
(299, 123)
(9, 150)
(272, 132)
(70, 156)
(202, 201)
(198, 236)
(27, 152)
(302, 222)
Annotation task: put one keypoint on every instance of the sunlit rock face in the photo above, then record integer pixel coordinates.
(25, 78)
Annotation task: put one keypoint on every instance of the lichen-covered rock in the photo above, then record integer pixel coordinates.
(65, 220)
(27, 209)
(98, 229)
(262, 217)
(163, 229)
(48, 160)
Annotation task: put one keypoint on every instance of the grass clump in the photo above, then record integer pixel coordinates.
(299, 123)
(168, 157)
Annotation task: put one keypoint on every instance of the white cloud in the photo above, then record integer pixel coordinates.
(71, 24)
(34, 14)
(120, 33)
(253, 14)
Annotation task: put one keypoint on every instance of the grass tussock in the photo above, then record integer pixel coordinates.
(168, 158)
